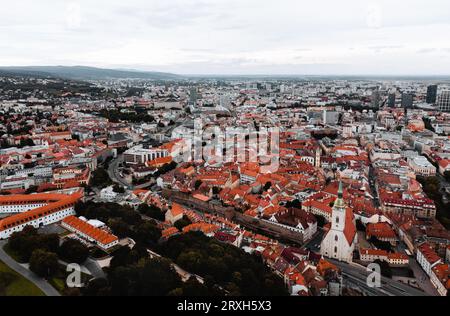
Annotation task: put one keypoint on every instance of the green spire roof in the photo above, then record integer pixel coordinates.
(339, 203)
(341, 190)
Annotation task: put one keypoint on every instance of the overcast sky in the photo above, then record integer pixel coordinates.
(231, 36)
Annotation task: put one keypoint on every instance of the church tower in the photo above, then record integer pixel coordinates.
(339, 242)
(317, 160)
(339, 211)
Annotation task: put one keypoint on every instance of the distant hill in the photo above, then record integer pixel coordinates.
(85, 73)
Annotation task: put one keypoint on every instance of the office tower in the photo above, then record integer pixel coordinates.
(391, 100)
(432, 94)
(193, 96)
(407, 100)
(376, 99)
(444, 101)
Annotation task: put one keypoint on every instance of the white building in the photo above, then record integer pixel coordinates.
(427, 258)
(339, 242)
(56, 208)
(108, 194)
(422, 166)
(174, 214)
(440, 278)
(88, 232)
(141, 155)
(13, 182)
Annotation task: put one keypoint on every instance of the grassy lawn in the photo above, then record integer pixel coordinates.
(58, 283)
(13, 284)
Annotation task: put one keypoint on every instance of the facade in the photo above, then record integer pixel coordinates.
(175, 213)
(432, 94)
(394, 259)
(440, 278)
(391, 100)
(444, 101)
(297, 220)
(407, 100)
(424, 208)
(23, 203)
(427, 258)
(248, 176)
(339, 242)
(108, 193)
(11, 183)
(64, 176)
(55, 209)
(422, 166)
(141, 155)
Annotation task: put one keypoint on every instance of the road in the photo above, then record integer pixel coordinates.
(94, 269)
(422, 278)
(113, 172)
(315, 242)
(39, 282)
(114, 175)
(357, 275)
(376, 200)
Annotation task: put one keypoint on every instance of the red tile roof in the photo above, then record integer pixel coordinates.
(64, 202)
(380, 230)
(350, 227)
(99, 235)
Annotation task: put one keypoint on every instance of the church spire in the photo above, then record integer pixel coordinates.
(339, 203)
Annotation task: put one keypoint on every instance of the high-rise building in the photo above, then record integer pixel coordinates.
(391, 100)
(407, 100)
(193, 96)
(432, 94)
(376, 99)
(444, 101)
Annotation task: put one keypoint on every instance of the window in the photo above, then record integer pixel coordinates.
(337, 219)
(336, 238)
(335, 250)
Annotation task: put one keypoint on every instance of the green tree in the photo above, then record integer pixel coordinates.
(28, 240)
(193, 287)
(151, 211)
(182, 223)
(158, 277)
(147, 233)
(119, 228)
(44, 263)
(100, 178)
(73, 251)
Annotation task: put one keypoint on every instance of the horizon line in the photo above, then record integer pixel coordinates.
(234, 74)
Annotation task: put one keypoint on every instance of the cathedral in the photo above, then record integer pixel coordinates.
(339, 242)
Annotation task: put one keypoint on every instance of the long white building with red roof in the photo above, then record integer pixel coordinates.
(90, 233)
(35, 210)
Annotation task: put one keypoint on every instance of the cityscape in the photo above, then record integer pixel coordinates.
(129, 181)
